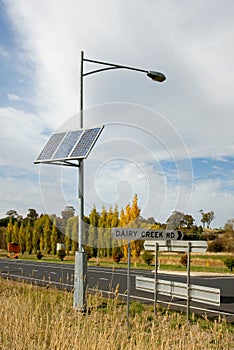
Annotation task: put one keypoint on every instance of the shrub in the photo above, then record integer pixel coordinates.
(147, 257)
(39, 255)
(216, 245)
(88, 252)
(117, 254)
(229, 262)
(61, 254)
(184, 259)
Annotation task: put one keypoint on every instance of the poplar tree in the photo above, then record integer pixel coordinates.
(102, 224)
(137, 245)
(68, 237)
(35, 238)
(46, 235)
(22, 240)
(28, 236)
(128, 218)
(93, 231)
(74, 235)
(135, 210)
(115, 218)
(9, 231)
(54, 237)
(122, 221)
(15, 232)
(41, 245)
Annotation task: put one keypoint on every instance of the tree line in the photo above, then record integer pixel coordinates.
(41, 233)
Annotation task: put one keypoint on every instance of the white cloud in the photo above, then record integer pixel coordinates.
(13, 97)
(209, 195)
(189, 42)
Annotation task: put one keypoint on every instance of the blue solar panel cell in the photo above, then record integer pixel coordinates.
(51, 146)
(67, 145)
(85, 143)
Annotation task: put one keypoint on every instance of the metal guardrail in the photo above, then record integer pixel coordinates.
(197, 293)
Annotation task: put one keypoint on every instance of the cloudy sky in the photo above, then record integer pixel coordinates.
(171, 143)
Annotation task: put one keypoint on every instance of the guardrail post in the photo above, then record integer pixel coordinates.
(156, 278)
(188, 280)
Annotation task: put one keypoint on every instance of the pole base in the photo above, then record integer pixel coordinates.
(80, 282)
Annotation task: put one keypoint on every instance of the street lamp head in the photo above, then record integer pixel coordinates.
(156, 76)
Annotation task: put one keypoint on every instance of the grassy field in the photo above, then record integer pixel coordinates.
(39, 318)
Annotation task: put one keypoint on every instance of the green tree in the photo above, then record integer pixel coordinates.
(22, 240)
(12, 213)
(188, 220)
(147, 257)
(28, 235)
(102, 239)
(117, 254)
(54, 237)
(68, 235)
(35, 239)
(61, 254)
(207, 218)
(32, 215)
(9, 231)
(74, 235)
(46, 235)
(93, 231)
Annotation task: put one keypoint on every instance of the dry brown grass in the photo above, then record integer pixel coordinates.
(38, 318)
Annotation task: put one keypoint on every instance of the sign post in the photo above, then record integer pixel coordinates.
(128, 282)
(131, 233)
(175, 246)
(188, 280)
(155, 279)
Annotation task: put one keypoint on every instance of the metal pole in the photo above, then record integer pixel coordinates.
(81, 168)
(188, 281)
(155, 278)
(80, 278)
(128, 282)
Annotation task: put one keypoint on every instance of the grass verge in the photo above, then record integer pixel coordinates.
(39, 318)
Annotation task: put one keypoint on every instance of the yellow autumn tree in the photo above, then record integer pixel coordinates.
(136, 246)
(128, 218)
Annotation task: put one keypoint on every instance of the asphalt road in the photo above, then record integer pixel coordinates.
(107, 280)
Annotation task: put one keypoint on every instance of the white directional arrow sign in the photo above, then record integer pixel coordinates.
(129, 233)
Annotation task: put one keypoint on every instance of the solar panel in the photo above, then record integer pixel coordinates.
(69, 145)
(85, 143)
(51, 146)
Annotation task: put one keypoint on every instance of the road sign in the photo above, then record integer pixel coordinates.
(174, 246)
(130, 233)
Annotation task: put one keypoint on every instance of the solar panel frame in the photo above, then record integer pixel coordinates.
(69, 145)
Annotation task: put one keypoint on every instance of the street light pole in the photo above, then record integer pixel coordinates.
(80, 277)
